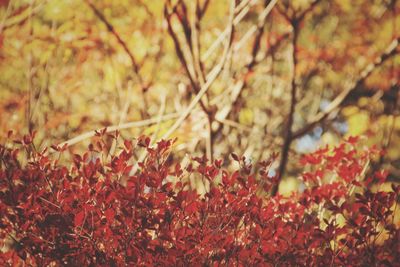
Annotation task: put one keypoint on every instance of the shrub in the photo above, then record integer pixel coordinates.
(94, 212)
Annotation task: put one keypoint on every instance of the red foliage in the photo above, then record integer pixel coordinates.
(97, 213)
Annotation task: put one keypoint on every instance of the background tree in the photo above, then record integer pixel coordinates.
(250, 76)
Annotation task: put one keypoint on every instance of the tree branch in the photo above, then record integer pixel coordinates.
(111, 29)
(211, 77)
(181, 56)
(295, 21)
(293, 101)
(128, 125)
(242, 12)
(20, 16)
(340, 99)
(241, 84)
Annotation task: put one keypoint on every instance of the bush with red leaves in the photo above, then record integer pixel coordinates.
(97, 213)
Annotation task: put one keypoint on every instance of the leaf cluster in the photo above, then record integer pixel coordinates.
(98, 212)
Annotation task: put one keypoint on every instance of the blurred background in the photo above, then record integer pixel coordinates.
(252, 77)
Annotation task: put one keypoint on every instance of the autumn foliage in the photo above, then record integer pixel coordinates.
(97, 212)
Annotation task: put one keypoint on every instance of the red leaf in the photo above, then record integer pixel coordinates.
(110, 197)
(107, 232)
(352, 139)
(381, 175)
(79, 217)
(218, 163)
(178, 170)
(191, 208)
(109, 214)
(128, 144)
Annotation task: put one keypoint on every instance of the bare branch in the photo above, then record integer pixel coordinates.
(20, 16)
(293, 101)
(191, 73)
(111, 29)
(288, 134)
(211, 77)
(122, 126)
(340, 99)
(199, 70)
(242, 83)
(260, 31)
(308, 10)
(201, 10)
(242, 13)
(5, 16)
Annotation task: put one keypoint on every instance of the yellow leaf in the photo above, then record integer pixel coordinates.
(287, 186)
(345, 5)
(358, 123)
(246, 116)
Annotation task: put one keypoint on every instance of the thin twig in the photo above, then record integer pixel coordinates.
(20, 16)
(154, 135)
(49, 202)
(210, 79)
(192, 62)
(198, 66)
(135, 66)
(3, 20)
(259, 28)
(243, 12)
(163, 100)
(112, 30)
(340, 99)
(128, 125)
(30, 73)
(301, 16)
(189, 68)
(242, 83)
